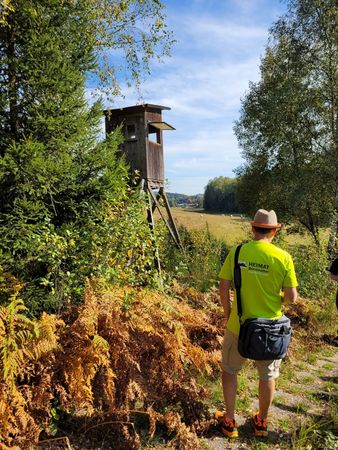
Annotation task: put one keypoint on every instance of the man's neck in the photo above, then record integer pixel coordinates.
(263, 238)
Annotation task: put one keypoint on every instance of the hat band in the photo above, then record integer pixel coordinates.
(265, 225)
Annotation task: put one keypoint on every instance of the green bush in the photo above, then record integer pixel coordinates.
(70, 218)
(199, 261)
(311, 265)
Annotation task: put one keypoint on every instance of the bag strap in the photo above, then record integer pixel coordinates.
(238, 282)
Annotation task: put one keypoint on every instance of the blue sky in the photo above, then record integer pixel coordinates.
(218, 50)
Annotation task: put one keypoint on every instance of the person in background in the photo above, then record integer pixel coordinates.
(268, 279)
(333, 269)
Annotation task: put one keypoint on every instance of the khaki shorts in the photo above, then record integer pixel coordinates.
(232, 361)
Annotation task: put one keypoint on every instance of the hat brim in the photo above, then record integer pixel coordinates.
(265, 225)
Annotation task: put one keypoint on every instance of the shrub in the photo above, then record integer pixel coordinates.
(311, 266)
(200, 260)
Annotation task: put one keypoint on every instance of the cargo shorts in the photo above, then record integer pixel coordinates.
(232, 361)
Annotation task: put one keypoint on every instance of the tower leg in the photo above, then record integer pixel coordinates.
(171, 219)
(170, 225)
(150, 218)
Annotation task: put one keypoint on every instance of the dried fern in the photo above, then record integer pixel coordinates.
(22, 342)
(124, 352)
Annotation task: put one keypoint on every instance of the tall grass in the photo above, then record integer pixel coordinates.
(314, 435)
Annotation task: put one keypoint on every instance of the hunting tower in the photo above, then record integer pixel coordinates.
(142, 128)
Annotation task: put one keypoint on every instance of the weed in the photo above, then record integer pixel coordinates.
(328, 352)
(309, 379)
(214, 388)
(301, 365)
(287, 374)
(279, 399)
(302, 407)
(328, 366)
(331, 386)
(284, 423)
(314, 435)
(311, 358)
(204, 445)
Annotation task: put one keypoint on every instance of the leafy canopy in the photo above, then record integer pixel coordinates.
(221, 195)
(288, 124)
(67, 211)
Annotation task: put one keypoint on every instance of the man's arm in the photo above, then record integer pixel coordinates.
(224, 291)
(290, 294)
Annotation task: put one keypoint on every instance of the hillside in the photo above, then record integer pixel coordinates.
(183, 200)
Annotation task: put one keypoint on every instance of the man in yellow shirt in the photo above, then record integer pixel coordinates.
(268, 279)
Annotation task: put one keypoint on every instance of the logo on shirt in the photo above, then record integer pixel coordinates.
(258, 267)
(242, 263)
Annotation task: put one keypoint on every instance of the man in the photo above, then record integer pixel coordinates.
(268, 279)
(333, 269)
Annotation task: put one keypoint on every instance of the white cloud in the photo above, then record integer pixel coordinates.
(218, 32)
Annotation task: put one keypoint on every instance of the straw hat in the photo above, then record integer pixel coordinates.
(265, 219)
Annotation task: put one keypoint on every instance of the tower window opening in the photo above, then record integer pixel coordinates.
(131, 131)
(154, 134)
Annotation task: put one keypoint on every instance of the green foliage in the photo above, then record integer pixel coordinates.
(311, 267)
(315, 435)
(288, 123)
(200, 262)
(134, 28)
(115, 41)
(66, 209)
(221, 195)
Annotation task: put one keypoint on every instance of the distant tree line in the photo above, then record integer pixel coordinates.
(195, 201)
(221, 195)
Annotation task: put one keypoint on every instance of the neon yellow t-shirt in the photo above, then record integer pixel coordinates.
(265, 270)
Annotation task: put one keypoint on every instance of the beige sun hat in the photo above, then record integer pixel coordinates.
(265, 219)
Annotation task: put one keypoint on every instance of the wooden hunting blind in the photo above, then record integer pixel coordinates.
(142, 128)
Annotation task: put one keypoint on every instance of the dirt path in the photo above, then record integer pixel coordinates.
(314, 393)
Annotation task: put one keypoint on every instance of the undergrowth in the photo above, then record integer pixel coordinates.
(130, 366)
(125, 353)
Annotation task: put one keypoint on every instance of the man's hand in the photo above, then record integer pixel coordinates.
(224, 292)
(290, 294)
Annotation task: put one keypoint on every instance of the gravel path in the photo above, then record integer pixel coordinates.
(293, 408)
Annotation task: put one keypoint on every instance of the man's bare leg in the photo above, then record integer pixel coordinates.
(266, 393)
(229, 384)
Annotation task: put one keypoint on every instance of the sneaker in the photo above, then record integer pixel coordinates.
(227, 426)
(260, 426)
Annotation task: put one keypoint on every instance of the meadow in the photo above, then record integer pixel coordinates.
(234, 228)
(230, 228)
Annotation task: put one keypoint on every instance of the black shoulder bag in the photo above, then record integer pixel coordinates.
(260, 339)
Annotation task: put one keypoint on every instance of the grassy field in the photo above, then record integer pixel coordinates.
(233, 229)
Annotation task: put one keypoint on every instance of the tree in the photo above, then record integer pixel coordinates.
(221, 195)
(288, 123)
(66, 208)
